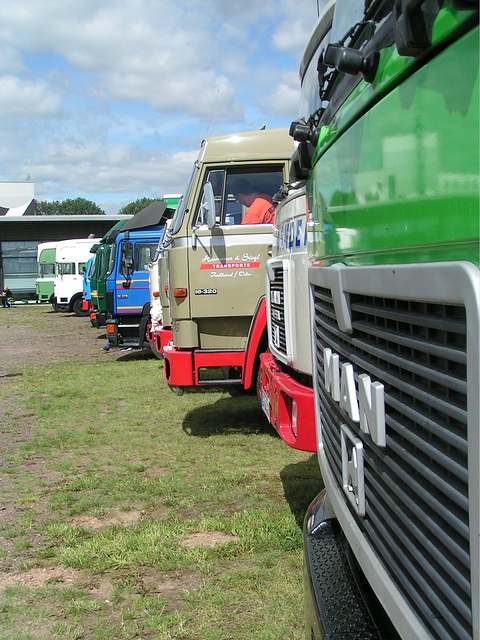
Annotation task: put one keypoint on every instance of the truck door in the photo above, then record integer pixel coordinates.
(227, 262)
(132, 287)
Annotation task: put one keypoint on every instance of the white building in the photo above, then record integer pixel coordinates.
(16, 196)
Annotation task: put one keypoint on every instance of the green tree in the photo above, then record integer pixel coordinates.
(75, 207)
(137, 205)
(44, 208)
(80, 207)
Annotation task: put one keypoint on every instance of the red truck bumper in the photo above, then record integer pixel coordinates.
(193, 368)
(287, 404)
(163, 336)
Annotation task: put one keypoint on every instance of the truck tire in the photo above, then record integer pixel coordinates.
(154, 350)
(77, 308)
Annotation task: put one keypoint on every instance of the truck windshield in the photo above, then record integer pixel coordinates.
(309, 97)
(66, 268)
(228, 183)
(46, 269)
(144, 252)
(182, 205)
(91, 270)
(347, 14)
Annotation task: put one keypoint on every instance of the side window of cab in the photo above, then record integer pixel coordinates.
(227, 186)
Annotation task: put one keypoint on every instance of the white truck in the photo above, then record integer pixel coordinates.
(71, 262)
(159, 307)
(285, 379)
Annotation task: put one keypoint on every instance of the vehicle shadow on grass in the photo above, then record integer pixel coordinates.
(228, 416)
(117, 353)
(134, 354)
(302, 482)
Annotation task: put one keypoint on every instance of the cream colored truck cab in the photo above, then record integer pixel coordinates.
(216, 265)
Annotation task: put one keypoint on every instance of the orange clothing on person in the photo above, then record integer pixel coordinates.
(261, 211)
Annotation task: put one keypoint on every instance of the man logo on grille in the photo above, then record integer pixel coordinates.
(366, 406)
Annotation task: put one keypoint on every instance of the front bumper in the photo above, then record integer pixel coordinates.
(162, 337)
(97, 319)
(336, 603)
(188, 368)
(288, 405)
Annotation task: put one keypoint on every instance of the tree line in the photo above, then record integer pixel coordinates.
(83, 207)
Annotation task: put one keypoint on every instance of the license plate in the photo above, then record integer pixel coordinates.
(266, 404)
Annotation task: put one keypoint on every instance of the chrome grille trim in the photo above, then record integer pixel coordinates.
(409, 333)
(276, 309)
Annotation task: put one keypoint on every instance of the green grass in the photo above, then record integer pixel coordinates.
(120, 477)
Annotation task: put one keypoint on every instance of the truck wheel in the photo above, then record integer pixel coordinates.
(154, 350)
(78, 309)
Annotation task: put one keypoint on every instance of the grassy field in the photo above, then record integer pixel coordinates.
(132, 513)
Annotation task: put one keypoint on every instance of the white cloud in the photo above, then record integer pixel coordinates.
(169, 56)
(295, 27)
(196, 94)
(117, 171)
(26, 98)
(111, 99)
(285, 96)
(10, 59)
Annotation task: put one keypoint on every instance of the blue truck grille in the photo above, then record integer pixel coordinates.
(277, 311)
(416, 487)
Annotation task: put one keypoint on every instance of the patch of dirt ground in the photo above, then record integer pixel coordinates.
(53, 338)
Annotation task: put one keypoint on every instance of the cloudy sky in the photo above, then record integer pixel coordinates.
(109, 100)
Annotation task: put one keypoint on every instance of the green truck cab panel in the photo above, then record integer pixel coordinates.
(404, 176)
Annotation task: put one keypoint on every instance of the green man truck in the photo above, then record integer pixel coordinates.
(217, 246)
(391, 152)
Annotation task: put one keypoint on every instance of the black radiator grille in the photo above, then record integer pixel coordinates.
(416, 488)
(277, 311)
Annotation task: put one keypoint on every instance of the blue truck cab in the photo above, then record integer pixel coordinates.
(127, 292)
